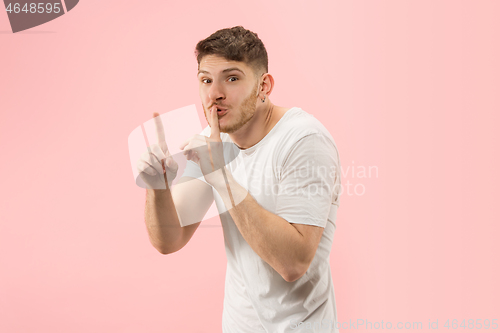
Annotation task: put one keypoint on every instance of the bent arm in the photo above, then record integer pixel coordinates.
(288, 248)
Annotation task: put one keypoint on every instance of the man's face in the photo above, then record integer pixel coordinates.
(232, 86)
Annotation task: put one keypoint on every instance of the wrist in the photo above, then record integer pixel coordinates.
(158, 192)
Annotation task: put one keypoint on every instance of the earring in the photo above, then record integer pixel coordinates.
(264, 99)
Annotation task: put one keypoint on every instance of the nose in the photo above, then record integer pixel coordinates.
(215, 92)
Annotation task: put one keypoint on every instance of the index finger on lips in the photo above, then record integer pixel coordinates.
(214, 123)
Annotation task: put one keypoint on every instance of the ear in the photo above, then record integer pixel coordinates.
(266, 85)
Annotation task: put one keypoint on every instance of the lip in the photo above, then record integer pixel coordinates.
(222, 112)
(219, 107)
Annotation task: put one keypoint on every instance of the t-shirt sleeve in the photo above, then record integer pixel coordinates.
(309, 181)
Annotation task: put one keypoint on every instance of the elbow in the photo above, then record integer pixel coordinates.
(166, 249)
(293, 275)
(162, 250)
(291, 278)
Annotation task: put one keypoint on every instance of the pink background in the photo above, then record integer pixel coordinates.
(409, 87)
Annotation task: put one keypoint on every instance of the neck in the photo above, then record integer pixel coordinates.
(257, 128)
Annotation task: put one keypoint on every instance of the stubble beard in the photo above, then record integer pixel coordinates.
(247, 111)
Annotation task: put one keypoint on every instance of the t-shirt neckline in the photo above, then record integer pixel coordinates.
(251, 150)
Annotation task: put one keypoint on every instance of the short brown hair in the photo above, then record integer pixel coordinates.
(235, 44)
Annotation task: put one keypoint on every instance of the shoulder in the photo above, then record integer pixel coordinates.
(301, 134)
(299, 124)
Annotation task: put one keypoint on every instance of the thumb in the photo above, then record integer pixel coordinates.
(170, 162)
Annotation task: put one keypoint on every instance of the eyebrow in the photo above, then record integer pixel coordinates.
(224, 71)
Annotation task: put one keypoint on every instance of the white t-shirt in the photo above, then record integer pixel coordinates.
(293, 172)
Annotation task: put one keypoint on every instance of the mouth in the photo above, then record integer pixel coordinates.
(221, 111)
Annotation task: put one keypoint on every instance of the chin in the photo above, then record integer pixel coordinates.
(225, 130)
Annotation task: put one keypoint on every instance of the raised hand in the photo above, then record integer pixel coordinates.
(156, 166)
(207, 152)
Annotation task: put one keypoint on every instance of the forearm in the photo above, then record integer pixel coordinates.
(273, 238)
(162, 222)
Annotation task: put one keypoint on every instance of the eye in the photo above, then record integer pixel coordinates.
(233, 77)
(203, 80)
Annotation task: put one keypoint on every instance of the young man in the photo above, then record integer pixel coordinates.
(276, 184)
